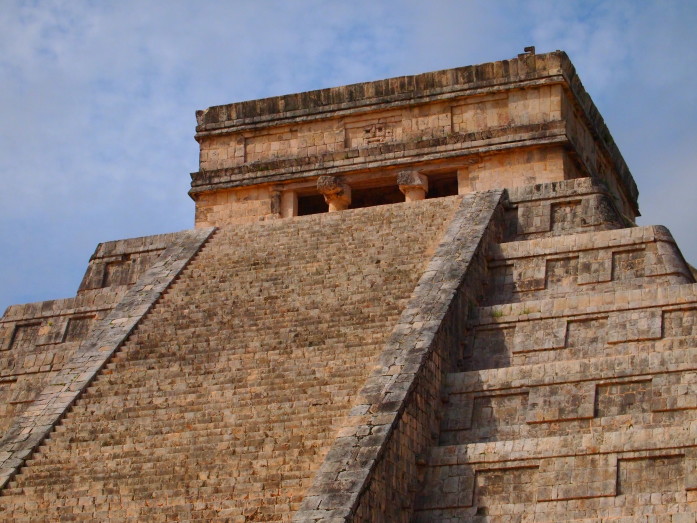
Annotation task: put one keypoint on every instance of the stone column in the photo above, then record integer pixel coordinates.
(335, 191)
(463, 181)
(413, 185)
(289, 204)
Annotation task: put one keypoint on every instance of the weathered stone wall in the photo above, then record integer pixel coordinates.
(586, 262)
(234, 207)
(38, 339)
(122, 262)
(555, 209)
(576, 396)
(516, 168)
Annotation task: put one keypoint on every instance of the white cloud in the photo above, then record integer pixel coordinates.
(98, 99)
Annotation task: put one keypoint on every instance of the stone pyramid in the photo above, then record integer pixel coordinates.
(417, 299)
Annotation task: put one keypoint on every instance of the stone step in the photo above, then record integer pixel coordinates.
(589, 262)
(166, 475)
(628, 468)
(585, 395)
(157, 413)
(93, 438)
(558, 208)
(581, 326)
(202, 354)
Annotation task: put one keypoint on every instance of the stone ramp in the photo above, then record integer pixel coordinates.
(371, 472)
(225, 399)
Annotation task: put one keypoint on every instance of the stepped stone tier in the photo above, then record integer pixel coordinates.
(418, 299)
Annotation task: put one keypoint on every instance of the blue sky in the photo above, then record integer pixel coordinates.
(98, 99)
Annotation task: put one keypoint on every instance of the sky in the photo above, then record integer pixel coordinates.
(98, 99)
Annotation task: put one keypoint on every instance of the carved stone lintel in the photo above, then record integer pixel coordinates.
(336, 192)
(413, 185)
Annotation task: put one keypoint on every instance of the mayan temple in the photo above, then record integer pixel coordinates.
(421, 299)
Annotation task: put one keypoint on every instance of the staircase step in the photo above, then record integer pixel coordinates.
(590, 262)
(238, 378)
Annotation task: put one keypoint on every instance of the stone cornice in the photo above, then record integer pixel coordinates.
(392, 154)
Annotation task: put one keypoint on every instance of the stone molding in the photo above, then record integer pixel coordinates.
(381, 94)
(629, 442)
(456, 145)
(31, 428)
(587, 304)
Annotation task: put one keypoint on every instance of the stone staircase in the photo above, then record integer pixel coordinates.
(574, 395)
(224, 400)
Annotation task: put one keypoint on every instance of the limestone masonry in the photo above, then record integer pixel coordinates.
(422, 299)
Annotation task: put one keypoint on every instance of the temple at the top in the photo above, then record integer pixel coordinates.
(498, 125)
(417, 299)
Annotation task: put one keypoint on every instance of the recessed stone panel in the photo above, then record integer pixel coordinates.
(674, 391)
(24, 336)
(505, 486)
(635, 325)
(534, 218)
(501, 282)
(586, 333)
(494, 411)
(678, 323)
(562, 402)
(561, 273)
(577, 477)
(627, 265)
(448, 487)
(691, 468)
(594, 266)
(458, 412)
(490, 349)
(78, 327)
(616, 399)
(651, 475)
(566, 216)
(539, 335)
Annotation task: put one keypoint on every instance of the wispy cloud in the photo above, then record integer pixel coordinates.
(98, 99)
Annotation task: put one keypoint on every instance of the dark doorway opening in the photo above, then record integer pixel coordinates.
(370, 197)
(311, 204)
(440, 185)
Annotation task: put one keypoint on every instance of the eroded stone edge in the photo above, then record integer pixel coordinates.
(31, 428)
(349, 466)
